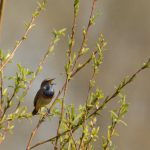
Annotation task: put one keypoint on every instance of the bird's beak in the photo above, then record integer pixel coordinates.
(50, 80)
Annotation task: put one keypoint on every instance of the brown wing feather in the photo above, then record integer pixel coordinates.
(37, 97)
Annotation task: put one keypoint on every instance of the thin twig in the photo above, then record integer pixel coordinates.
(84, 64)
(113, 125)
(87, 144)
(71, 133)
(1, 92)
(85, 34)
(9, 101)
(68, 139)
(18, 43)
(33, 133)
(53, 138)
(121, 86)
(41, 63)
(88, 94)
(72, 34)
(5, 130)
(62, 111)
(2, 2)
(1, 86)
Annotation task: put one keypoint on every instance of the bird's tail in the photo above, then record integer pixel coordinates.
(34, 112)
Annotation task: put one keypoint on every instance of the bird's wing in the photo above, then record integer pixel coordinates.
(37, 97)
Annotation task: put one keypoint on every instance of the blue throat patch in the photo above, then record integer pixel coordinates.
(48, 90)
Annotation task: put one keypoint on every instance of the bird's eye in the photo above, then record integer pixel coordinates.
(46, 87)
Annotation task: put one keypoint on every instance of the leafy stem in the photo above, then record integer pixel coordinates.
(85, 32)
(123, 84)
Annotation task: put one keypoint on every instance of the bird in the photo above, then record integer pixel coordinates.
(44, 95)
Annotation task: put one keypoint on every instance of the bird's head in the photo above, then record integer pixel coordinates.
(47, 82)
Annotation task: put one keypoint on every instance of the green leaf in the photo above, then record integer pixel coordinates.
(5, 92)
(124, 123)
(114, 115)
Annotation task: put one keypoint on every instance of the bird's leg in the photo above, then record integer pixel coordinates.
(48, 112)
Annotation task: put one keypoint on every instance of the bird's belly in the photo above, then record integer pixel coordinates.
(42, 102)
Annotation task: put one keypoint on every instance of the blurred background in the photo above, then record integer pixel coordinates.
(125, 26)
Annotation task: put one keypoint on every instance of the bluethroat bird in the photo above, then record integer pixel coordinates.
(44, 95)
